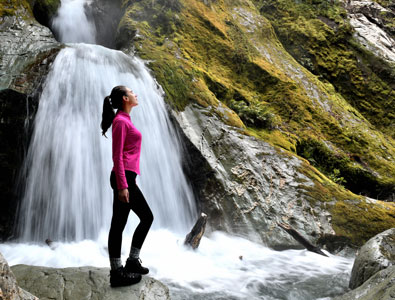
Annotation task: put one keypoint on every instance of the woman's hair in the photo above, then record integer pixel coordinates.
(114, 101)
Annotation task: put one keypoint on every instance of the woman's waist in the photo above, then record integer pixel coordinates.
(130, 176)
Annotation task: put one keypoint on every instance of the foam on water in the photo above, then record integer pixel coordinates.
(222, 266)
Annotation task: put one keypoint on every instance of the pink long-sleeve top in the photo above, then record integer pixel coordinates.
(126, 148)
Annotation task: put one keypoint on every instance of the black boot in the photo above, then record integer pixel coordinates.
(120, 277)
(134, 266)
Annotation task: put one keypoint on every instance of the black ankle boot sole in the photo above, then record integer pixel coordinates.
(121, 277)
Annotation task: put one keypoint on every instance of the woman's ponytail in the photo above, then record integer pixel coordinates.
(108, 115)
(111, 102)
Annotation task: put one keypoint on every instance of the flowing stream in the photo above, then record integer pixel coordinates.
(67, 196)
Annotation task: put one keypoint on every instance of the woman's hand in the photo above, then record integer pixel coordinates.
(123, 195)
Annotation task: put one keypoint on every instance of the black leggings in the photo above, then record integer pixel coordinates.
(120, 213)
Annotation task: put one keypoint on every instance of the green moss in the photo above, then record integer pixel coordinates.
(176, 82)
(11, 7)
(208, 54)
(42, 10)
(321, 40)
(256, 115)
(353, 217)
(349, 216)
(45, 10)
(345, 170)
(273, 137)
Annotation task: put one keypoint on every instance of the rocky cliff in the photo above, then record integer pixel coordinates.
(293, 110)
(26, 52)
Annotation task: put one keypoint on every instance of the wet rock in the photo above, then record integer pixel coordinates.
(84, 283)
(377, 254)
(9, 289)
(246, 185)
(45, 10)
(106, 15)
(381, 286)
(372, 24)
(26, 52)
(376, 13)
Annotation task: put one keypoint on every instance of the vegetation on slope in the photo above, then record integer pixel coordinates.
(318, 35)
(225, 54)
(42, 10)
(208, 52)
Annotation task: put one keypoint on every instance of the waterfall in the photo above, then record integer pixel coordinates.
(67, 195)
(72, 25)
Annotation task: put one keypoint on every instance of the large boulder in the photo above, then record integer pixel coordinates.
(9, 289)
(247, 186)
(84, 283)
(381, 286)
(26, 52)
(377, 254)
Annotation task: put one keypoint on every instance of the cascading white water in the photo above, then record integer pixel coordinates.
(223, 267)
(67, 193)
(71, 23)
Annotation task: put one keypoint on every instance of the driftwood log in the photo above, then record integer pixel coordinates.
(298, 237)
(193, 238)
(51, 244)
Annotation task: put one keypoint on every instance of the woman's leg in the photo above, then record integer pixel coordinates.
(120, 213)
(140, 207)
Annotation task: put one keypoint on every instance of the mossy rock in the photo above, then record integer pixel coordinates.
(320, 38)
(210, 53)
(45, 10)
(14, 7)
(42, 10)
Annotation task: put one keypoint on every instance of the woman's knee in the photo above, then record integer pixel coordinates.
(151, 218)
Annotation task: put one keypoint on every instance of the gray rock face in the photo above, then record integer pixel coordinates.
(377, 254)
(26, 52)
(9, 290)
(370, 21)
(381, 286)
(247, 186)
(106, 15)
(84, 283)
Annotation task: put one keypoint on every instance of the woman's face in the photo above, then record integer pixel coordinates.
(132, 98)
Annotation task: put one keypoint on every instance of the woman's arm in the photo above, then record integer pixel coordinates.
(118, 142)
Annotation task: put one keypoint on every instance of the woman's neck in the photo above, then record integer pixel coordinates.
(127, 110)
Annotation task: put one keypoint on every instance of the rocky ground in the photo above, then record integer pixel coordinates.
(22, 282)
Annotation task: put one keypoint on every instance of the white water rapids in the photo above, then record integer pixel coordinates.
(68, 197)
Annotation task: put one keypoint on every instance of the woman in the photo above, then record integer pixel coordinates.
(126, 147)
